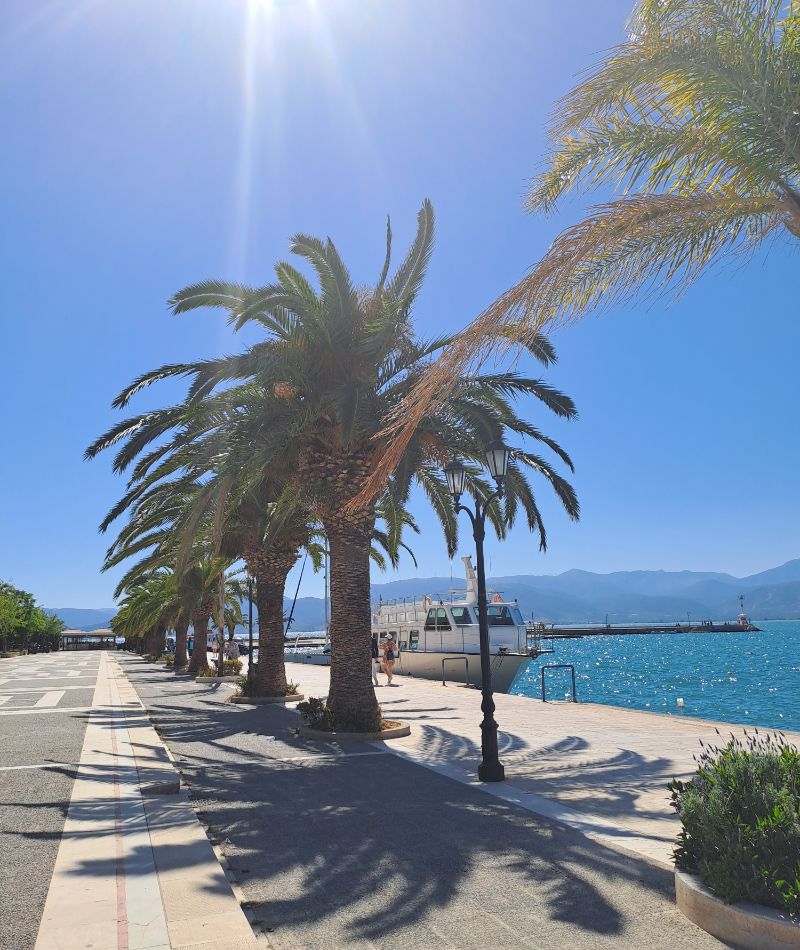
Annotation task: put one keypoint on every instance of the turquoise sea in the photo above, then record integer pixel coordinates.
(751, 678)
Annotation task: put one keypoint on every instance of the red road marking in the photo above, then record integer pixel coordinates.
(122, 904)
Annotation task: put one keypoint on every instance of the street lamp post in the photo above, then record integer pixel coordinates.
(490, 769)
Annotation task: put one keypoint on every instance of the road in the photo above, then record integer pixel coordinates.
(44, 704)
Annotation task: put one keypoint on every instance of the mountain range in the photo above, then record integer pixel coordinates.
(579, 597)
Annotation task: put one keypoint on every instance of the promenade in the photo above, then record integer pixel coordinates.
(279, 841)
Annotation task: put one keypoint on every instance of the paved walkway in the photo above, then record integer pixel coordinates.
(599, 769)
(354, 846)
(134, 870)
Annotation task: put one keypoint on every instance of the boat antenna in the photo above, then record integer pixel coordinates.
(297, 591)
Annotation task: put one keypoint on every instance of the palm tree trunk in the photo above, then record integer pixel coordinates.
(270, 570)
(199, 659)
(149, 641)
(160, 640)
(351, 696)
(181, 636)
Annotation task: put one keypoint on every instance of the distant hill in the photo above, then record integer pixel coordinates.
(578, 597)
(84, 618)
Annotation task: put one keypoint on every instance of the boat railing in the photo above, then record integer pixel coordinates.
(533, 637)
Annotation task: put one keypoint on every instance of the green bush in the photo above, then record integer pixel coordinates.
(317, 715)
(229, 668)
(740, 818)
(242, 685)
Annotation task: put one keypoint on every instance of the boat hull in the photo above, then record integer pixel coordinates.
(459, 668)
(463, 668)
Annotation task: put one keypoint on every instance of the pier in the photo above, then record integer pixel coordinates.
(554, 632)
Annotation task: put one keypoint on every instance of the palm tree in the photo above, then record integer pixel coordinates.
(336, 362)
(269, 538)
(146, 611)
(693, 124)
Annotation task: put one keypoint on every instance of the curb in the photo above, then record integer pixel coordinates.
(254, 937)
(748, 926)
(266, 700)
(396, 732)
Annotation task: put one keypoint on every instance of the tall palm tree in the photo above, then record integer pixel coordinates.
(336, 362)
(693, 124)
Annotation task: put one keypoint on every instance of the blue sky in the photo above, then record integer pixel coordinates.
(151, 144)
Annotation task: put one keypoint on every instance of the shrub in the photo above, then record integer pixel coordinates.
(740, 818)
(292, 689)
(229, 668)
(242, 685)
(316, 714)
(169, 660)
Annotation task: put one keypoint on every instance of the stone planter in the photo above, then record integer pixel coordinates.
(748, 926)
(234, 677)
(401, 729)
(267, 700)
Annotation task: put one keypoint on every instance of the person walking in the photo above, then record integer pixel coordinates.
(389, 657)
(375, 656)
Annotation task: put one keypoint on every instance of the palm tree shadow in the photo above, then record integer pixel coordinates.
(311, 835)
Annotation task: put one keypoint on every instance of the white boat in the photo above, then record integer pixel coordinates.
(439, 639)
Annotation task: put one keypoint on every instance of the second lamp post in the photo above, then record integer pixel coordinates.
(497, 454)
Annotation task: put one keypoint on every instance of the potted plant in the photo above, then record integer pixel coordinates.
(738, 853)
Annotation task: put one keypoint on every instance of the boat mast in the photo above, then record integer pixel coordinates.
(327, 623)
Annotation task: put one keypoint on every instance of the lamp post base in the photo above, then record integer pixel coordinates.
(491, 772)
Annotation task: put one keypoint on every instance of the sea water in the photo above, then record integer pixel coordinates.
(750, 678)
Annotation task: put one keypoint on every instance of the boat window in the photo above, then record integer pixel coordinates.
(499, 615)
(517, 614)
(437, 619)
(461, 616)
(413, 639)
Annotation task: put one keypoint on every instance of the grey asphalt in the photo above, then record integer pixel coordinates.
(34, 799)
(352, 846)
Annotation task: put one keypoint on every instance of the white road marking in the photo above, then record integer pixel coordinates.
(4, 699)
(40, 765)
(38, 689)
(45, 710)
(51, 698)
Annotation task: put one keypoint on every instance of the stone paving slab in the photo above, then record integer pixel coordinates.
(600, 769)
(133, 872)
